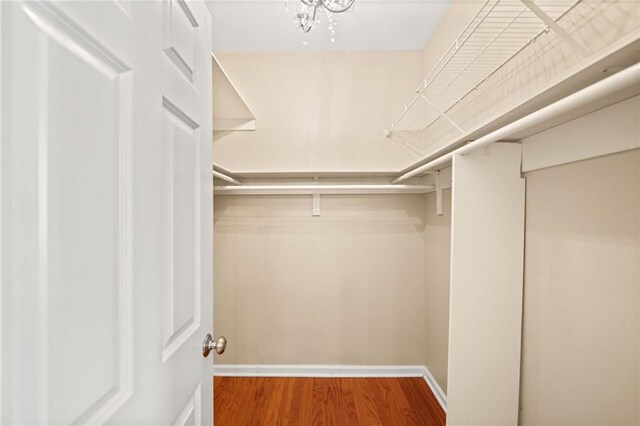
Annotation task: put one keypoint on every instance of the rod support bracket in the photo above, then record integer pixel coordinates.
(552, 25)
(439, 191)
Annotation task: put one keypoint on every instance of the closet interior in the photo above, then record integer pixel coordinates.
(467, 212)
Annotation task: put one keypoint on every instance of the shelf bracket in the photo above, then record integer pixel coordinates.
(405, 144)
(315, 211)
(553, 25)
(443, 114)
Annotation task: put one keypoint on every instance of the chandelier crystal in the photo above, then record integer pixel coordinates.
(309, 14)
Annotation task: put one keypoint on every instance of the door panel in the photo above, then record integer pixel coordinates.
(48, 132)
(181, 36)
(95, 226)
(105, 212)
(191, 413)
(182, 295)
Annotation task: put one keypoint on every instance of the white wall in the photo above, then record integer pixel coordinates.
(581, 344)
(322, 111)
(343, 288)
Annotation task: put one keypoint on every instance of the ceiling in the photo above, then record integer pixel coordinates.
(373, 25)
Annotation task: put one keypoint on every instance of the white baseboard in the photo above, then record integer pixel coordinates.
(435, 388)
(296, 370)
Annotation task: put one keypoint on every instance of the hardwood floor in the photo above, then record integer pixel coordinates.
(325, 401)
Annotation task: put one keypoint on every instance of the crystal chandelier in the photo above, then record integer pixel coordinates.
(309, 14)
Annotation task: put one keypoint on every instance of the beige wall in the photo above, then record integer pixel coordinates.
(581, 343)
(343, 288)
(437, 247)
(323, 111)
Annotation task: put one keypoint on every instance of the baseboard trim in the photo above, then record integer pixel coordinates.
(318, 370)
(435, 388)
(296, 370)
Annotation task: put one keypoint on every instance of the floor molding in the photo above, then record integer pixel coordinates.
(435, 388)
(296, 370)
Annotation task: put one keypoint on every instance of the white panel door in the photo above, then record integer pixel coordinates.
(105, 213)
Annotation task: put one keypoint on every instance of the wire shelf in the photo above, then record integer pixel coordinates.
(508, 50)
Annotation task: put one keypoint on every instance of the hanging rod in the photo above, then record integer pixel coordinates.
(226, 178)
(297, 189)
(622, 80)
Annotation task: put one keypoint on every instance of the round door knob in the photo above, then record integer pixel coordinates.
(213, 345)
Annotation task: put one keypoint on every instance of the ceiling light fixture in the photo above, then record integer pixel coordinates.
(309, 14)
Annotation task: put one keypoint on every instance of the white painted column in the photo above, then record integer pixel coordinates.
(487, 250)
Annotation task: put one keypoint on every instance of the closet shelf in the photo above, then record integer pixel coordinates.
(230, 111)
(511, 51)
(496, 34)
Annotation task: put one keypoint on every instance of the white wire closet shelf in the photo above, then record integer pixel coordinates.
(509, 50)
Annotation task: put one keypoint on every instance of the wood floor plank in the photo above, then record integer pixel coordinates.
(325, 401)
(319, 413)
(418, 394)
(393, 406)
(346, 413)
(305, 398)
(294, 411)
(262, 393)
(282, 415)
(274, 401)
(366, 406)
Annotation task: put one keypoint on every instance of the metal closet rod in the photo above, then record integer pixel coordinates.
(226, 178)
(337, 189)
(238, 188)
(622, 80)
